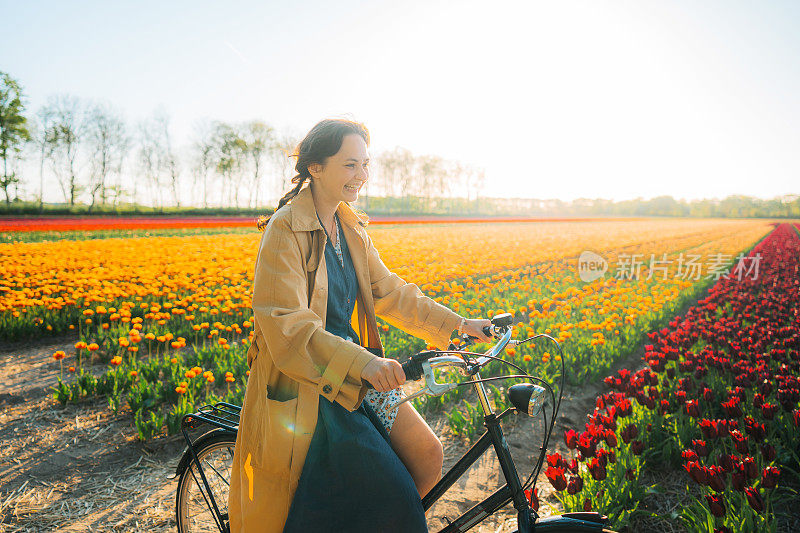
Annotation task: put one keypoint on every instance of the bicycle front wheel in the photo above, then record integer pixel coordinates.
(194, 505)
(569, 524)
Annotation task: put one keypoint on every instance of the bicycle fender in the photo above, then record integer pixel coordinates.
(186, 458)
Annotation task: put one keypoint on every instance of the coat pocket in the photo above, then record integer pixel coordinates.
(274, 442)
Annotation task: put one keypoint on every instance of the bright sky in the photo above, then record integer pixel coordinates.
(559, 99)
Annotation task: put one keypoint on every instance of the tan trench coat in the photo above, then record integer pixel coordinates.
(293, 360)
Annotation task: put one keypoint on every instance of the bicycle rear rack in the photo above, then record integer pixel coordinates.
(222, 415)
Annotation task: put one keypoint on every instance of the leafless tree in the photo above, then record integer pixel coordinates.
(258, 137)
(202, 157)
(431, 172)
(475, 178)
(65, 138)
(108, 144)
(456, 178)
(409, 183)
(283, 146)
(43, 132)
(169, 163)
(385, 173)
(231, 153)
(150, 158)
(396, 169)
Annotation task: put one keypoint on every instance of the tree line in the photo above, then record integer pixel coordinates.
(92, 153)
(734, 206)
(101, 162)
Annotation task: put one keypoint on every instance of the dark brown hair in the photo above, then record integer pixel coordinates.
(323, 141)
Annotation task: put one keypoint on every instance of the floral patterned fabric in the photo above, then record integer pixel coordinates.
(378, 400)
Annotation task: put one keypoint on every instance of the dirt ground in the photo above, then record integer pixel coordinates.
(82, 468)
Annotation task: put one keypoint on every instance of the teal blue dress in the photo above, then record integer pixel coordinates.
(352, 480)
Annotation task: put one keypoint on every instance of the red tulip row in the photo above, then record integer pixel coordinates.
(24, 224)
(95, 223)
(720, 395)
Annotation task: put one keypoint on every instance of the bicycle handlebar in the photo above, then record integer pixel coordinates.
(413, 367)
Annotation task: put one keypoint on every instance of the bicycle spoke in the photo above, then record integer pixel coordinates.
(196, 509)
(220, 476)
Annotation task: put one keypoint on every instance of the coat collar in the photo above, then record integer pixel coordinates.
(304, 213)
(304, 218)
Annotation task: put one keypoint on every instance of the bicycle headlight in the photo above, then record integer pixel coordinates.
(527, 398)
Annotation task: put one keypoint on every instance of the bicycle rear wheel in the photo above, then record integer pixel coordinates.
(193, 507)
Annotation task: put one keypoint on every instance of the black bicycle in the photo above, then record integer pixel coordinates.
(204, 469)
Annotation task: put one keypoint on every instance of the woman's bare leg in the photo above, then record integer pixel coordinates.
(418, 447)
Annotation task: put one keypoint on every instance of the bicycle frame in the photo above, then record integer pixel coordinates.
(512, 490)
(527, 519)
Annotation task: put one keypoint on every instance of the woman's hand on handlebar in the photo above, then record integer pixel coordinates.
(474, 328)
(384, 374)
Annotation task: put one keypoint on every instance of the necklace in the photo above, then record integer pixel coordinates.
(336, 242)
(333, 236)
(336, 231)
(338, 246)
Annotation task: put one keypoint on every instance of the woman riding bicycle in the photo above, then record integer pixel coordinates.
(310, 454)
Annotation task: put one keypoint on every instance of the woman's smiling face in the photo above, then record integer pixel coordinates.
(344, 173)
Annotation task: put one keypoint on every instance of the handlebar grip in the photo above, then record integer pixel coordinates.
(487, 330)
(411, 369)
